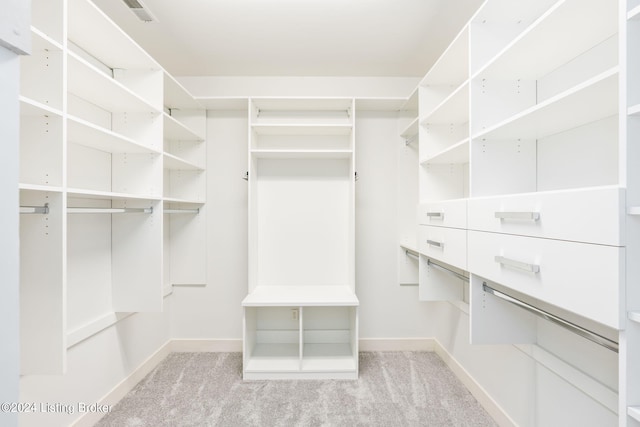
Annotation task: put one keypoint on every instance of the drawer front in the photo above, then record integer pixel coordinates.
(451, 213)
(448, 245)
(592, 216)
(582, 278)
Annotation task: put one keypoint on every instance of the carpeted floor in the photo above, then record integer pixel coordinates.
(206, 389)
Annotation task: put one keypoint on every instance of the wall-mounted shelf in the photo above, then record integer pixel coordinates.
(90, 135)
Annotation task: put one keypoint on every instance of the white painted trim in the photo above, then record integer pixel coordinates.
(206, 345)
(487, 402)
(125, 386)
(397, 344)
(90, 329)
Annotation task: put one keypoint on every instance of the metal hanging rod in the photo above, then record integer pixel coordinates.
(44, 210)
(409, 140)
(182, 211)
(108, 210)
(447, 270)
(579, 330)
(409, 252)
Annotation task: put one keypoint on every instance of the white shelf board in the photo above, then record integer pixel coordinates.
(335, 357)
(274, 357)
(592, 22)
(452, 68)
(176, 96)
(302, 129)
(182, 201)
(223, 103)
(175, 130)
(176, 163)
(411, 129)
(592, 100)
(40, 41)
(634, 210)
(634, 316)
(108, 195)
(91, 29)
(453, 109)
(380, 104)
(302, 104)
(90, 135)
(37, 187)
(634, 412)
(301, 154)
(634, 110)
(456, 154)
(634, 14)
(411, 102)
(91, 84)
(29, 107)
(275, 296)
(410, 248)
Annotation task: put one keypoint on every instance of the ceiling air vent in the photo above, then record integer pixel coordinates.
(140, 10)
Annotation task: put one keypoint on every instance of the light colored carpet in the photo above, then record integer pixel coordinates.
(206, 389)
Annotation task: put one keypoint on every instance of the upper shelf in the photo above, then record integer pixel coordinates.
(88, 134)
(91, 29)
(263, 296)
(175, 130)
(453, 109)
(592, 100)
(301, 154)
(302, 129)
(302, 104)
(634, 14)
(176, 96)
(452, 68)
(91, 84)
(548, 43)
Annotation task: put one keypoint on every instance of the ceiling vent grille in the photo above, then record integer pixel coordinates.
(140, 10)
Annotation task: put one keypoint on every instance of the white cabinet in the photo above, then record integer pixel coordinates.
(301, 240)
(97, 184)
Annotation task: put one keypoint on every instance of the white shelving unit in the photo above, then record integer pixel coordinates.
(501, 211)
(300, 315)
(93, 122)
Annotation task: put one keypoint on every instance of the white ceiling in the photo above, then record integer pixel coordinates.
(295, 37)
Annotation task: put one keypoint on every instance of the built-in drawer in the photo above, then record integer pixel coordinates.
(590, 215)
(448, 245)
(579, 277)
(450, 213)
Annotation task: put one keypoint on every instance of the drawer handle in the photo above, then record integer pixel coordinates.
(530, 268)
(527, 216)
(435, 243)
(435, 215)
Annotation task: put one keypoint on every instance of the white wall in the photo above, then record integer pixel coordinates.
(9, 240)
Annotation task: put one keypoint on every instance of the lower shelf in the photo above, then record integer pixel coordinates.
(300, 342)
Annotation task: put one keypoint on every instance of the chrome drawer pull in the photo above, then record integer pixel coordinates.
(531, 268)
(434, 243)
(527, 216)
(435, 215)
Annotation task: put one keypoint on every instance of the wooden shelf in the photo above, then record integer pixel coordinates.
(458, 153)
(594, 99)
(90, 135)
(87, 82)
(453, 109)
(183, 201)
(451, 69)
(93, 31)
(30, 107)
(302, 104)
(176, 163)
(174, 130)
(42, 188)
(108, 195)
(634, 14)
(302, 129)
(274, 296)
(302, 154)
(176, 96)
(411, 129)
(40, 41)
(517, 61)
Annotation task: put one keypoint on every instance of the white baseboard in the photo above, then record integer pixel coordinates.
(396, 344)
(490, 405)
(125, 386)
(215, 346)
